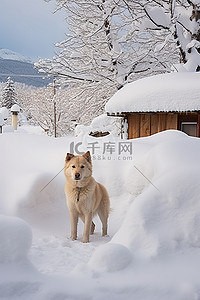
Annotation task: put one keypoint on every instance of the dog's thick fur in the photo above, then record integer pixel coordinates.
(85, 197)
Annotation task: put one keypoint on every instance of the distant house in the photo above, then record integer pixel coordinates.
(160, 102)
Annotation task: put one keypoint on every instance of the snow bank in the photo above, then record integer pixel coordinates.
(30, 129)
(163, 214)
(16, 239)
(158, 223)
(166, 92)
(31, 163)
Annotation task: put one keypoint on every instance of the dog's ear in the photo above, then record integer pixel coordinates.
(87, 156)
(69, 156)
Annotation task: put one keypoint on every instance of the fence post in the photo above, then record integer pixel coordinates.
(15, 109)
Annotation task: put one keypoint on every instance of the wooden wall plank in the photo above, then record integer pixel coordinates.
(145, 125)
(172, 121)
(154, 123)
(133, 126)
(162, 121)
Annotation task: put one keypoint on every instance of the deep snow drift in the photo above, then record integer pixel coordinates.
(153, 251)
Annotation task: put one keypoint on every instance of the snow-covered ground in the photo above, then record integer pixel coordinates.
(153, 247)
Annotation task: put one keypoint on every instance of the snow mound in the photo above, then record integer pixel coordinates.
(164, 215)
(102, 123)
(157, 224)
(4, 112)
(105, 123)
(16, 239)
(110, 258)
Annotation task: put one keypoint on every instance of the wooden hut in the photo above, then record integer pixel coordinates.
(160, 102)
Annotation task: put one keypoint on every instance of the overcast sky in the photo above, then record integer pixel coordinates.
(30, 28)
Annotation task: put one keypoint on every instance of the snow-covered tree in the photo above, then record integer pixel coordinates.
(178, 21)
(38, 103)
(9, 96)
(158, 29)
(104, 49)
(104, 45)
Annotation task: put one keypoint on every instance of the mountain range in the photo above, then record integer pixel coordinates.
(20, 69)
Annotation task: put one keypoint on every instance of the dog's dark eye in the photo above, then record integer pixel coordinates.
(82, 167)
(73, 167)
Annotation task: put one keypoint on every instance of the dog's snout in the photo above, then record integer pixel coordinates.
(77, 176)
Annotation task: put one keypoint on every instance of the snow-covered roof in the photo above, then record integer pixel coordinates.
(164, 93)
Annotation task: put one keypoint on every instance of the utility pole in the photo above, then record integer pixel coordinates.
(54, 106)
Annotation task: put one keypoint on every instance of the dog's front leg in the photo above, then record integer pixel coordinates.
(87, 227)
(74, 224)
